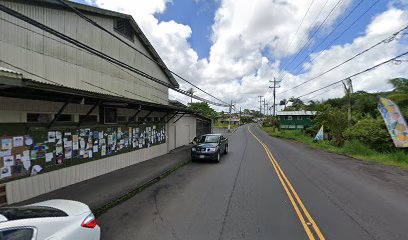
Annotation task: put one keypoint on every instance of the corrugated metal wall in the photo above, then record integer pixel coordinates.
(40, 53)
(26, 188)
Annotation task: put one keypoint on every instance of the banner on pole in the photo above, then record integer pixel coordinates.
(320, 135)
(395, 122)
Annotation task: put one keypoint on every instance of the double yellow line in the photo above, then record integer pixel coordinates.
(311, 228)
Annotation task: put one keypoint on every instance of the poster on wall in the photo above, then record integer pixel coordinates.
(18, 141)
(6, 144)
(51, 137)
(38, 151)
(8, 161)
(5, 172)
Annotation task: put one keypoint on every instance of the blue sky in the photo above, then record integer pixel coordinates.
(199, 15)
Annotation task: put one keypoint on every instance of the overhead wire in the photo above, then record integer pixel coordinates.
(312, 26)
(310, 38)
(297, 30)
(79, 13)
(335, 39)
(386, 40)
(355, 74)
(301, 23)
(280, 77)
(98, 53)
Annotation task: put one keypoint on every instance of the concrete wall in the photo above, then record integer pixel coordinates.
(39, 53)
(26, 188)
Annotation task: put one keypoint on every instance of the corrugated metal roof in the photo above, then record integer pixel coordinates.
(2, 69)
(5, 72)
(296, 113)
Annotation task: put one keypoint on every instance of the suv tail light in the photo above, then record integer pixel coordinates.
(89, 221)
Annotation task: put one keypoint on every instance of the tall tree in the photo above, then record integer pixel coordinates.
(400, 85)
(204, 109)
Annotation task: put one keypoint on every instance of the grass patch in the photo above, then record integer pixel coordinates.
(355, 149)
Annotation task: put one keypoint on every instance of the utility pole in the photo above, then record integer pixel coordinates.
(267, 109)
(274, 94)
(240, 113)
(260, 104)
(229, 123)
(264, 104)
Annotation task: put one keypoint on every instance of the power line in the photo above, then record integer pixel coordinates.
(311, 37)
(386, 40)
(301, 23)
(297, 30)
(96, 52)
(137, 50)
(312, 26)
(356, 74)
(335, 39)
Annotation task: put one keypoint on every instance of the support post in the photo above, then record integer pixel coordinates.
(147, 115)
(179, 117)
(88, 113)
(59, 113)
(132, 118)
(168, 120)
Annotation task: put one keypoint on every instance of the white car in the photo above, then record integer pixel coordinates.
(49, 220)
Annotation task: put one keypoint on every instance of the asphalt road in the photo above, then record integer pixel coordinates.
(296, 193)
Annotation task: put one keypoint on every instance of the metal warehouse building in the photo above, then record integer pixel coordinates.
(67, 115)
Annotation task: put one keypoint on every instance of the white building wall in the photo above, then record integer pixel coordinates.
(30, 187)
(182, 132)
(41, 54)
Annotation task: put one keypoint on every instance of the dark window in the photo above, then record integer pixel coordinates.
(64, 118)
(123, 27)
(38, 117)
(299, 117)
(110, 115)
(89, 119)
(148, 119)
(122, 119)
(157, 119)
(20, 234)
(16, 213)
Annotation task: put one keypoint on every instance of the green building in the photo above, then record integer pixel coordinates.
(295, 119)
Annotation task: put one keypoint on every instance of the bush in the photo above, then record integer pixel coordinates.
(311, 131)
(371, 132)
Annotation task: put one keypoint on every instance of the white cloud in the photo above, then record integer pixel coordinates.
(243, 30)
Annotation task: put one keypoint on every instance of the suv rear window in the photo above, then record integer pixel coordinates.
(17, 234)
(209, 139)
(16, 213)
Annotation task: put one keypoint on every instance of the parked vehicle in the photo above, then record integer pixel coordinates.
(49, 220)
(209, 147)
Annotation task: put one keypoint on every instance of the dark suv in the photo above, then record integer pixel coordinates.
(209, 147)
